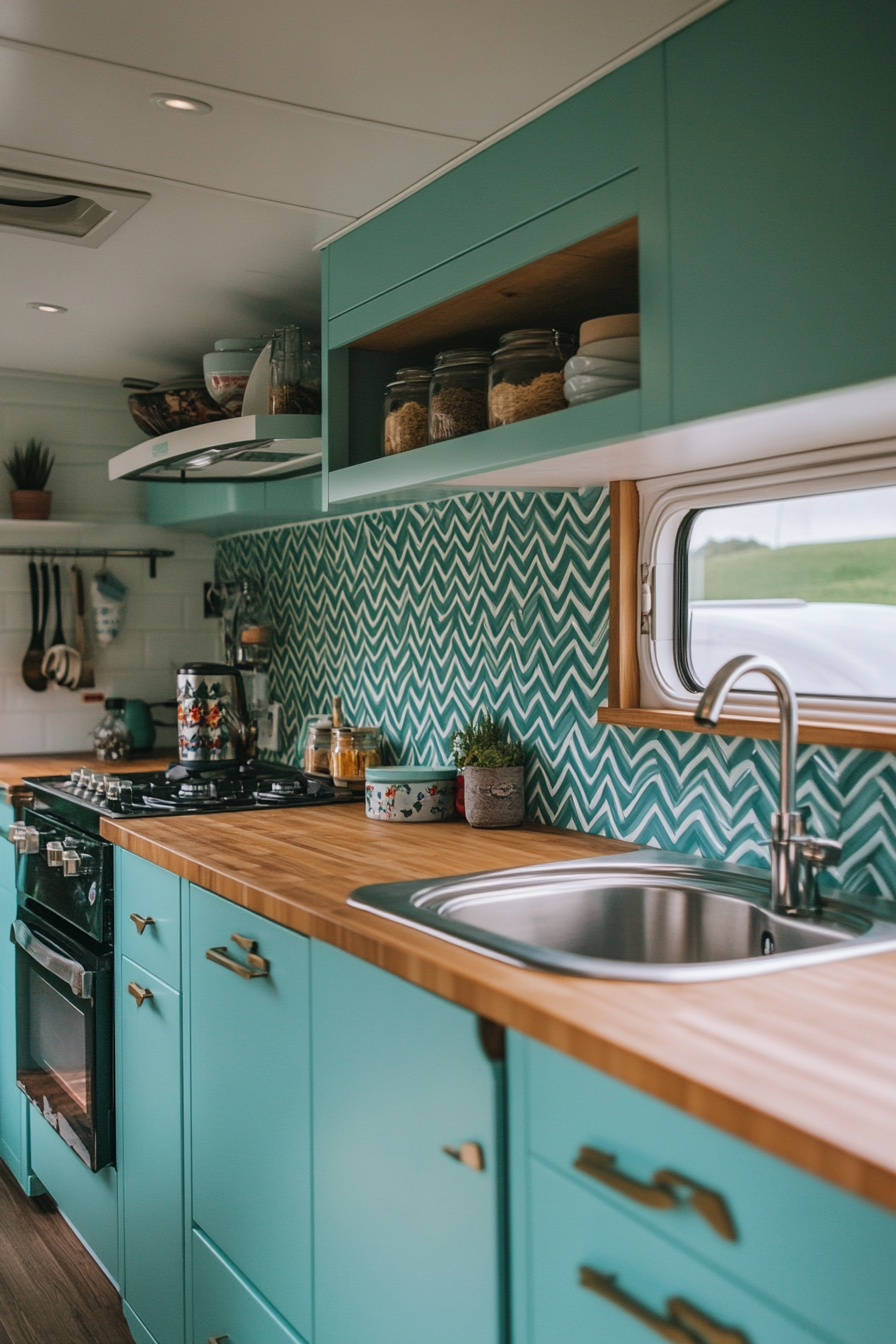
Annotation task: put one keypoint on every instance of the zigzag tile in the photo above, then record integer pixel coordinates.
(422, 616)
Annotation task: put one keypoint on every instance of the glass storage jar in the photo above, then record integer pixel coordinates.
(458, 394)
(252, 627)
(526, 376)
(112, 738)
(317, 743)
(406, 412)
(294, 378)
(352, 751)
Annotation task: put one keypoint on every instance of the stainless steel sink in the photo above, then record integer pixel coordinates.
(648, 915)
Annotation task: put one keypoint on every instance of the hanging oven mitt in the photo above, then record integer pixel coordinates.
(107, 597)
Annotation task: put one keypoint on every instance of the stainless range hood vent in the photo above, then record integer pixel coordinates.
(63, 210)
(246, 449)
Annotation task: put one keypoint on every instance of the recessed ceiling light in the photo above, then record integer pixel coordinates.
(178, 103)
(47, 307)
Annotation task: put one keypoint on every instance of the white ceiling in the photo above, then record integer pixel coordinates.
(321, 113)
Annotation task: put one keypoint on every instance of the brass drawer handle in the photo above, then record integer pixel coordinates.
(141, 921)
(663, 1191)
(684, 1323)
(468, 1154)
(257, 966)
(136, 992)
(217, 1339)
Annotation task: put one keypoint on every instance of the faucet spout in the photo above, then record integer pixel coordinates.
(710, 709)
(795, 856)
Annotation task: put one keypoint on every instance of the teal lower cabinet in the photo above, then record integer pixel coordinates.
(13, 1106)
(616, 1195)
(250, 1102)
(407, 1237)
(227, 1307)
(88, 1199)
(150, 1152)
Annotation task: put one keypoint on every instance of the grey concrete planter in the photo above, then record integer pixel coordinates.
(494, 798)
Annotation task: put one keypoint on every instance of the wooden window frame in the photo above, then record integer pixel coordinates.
(623, 705)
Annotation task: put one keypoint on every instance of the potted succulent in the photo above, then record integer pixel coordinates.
(30, 469)
(492, 775)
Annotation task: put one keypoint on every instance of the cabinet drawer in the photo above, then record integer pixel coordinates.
(151, 894)
(572, 1234)
(225, 1305)
(825, 1255)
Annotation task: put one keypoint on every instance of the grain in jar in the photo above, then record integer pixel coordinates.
(458, 394)
(526, 376)
(406, 411)
(352, 750)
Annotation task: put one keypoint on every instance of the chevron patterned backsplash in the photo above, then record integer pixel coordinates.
(423, 615)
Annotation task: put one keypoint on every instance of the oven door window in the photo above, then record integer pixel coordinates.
(62, 1054)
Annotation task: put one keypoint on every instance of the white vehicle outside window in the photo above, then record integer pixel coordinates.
(800, 567)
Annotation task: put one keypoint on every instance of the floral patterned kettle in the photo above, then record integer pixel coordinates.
(213, 722)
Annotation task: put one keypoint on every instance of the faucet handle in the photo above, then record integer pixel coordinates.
(822, 852)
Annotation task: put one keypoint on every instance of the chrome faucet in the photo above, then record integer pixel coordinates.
(795, 856)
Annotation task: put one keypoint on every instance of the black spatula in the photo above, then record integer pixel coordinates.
(31, 664)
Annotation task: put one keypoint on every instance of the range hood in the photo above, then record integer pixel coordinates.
(250, 448)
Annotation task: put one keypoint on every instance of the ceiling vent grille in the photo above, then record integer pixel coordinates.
(62, 210)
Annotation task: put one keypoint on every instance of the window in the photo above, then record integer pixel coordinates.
(797, 563)
(809, 581)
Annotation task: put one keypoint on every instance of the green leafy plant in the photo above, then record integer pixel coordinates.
(483, 744)
(30, 466)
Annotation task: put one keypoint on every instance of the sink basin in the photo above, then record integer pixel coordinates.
(648, 915)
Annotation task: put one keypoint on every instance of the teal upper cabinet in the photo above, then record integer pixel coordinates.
(223, 507)
(782, 127)
(407, 1237)
(250, 1100)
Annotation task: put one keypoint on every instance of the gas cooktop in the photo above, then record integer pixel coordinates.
(85, 795)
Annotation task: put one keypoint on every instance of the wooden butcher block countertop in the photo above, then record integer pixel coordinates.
(13, 769)
(801, 1063)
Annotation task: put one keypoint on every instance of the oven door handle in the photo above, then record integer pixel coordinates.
(79, 981)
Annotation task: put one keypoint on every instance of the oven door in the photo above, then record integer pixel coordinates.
(64, 1035)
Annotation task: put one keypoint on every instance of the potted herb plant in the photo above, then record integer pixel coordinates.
(494, 786)
(30, 469)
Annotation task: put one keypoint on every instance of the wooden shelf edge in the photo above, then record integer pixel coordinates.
(870, 736)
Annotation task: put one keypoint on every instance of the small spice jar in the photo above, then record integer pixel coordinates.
(526, 376)
(352, 750)
(316, 746)
(406, 411)
(458, 394)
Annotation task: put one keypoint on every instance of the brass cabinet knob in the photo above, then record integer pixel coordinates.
(468, 1154)
(55, 852)
(139, 993)
(141, 921)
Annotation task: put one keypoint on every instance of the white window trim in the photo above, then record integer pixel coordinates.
(665, 502)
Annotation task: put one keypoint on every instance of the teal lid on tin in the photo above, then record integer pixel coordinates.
(411, 774)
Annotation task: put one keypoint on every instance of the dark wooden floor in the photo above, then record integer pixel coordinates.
(51, 1290)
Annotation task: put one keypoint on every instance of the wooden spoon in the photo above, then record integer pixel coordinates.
(86, 675)
(31, 664)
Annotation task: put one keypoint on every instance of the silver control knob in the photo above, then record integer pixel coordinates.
(27, 840)
(71, 863)
(15, 831)
(113, 789)
(55, 851)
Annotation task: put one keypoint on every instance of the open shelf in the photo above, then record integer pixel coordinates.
(593, 277)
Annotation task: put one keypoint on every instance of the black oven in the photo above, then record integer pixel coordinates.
(64, 998)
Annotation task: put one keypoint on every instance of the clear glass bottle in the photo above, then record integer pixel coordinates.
(353, 750)
(252, 629)
(294, 379)
(112, 739)
(458, 394)
(526, 376)
(406, 411)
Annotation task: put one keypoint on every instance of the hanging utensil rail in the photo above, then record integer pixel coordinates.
(151, 553)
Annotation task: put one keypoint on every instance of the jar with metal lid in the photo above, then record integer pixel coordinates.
(112, 739)
(252, 624)
(526, 376)
(317, 743)
(352, 750)
(458, 394)
(406, 412)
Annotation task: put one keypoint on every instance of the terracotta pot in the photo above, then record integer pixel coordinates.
(31, 504)
(495, 798)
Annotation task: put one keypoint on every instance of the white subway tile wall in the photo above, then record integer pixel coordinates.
(84, 422)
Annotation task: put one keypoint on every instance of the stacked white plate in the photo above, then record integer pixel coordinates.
(608, 359)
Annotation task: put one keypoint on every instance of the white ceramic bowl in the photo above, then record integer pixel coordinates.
(595, 382)
(623, 369)
(614, 347)
(410, 792)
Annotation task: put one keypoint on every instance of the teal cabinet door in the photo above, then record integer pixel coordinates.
(89, 1199)
(781, 126)
(13, 1115)
(407, 1242)
(150, 1157)
(250, 1102)
(147, 916)
(227, 1307)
